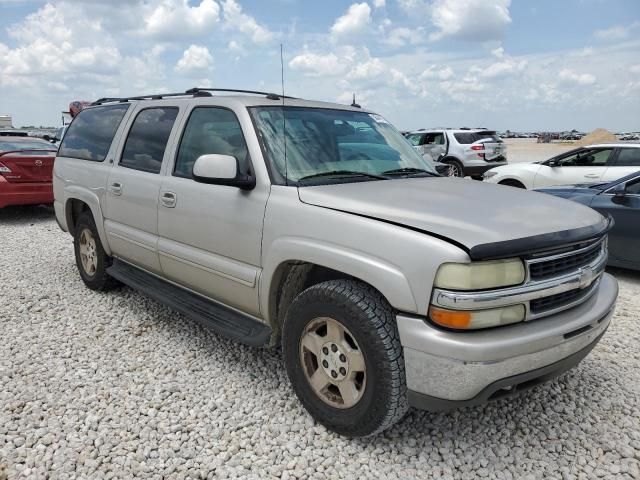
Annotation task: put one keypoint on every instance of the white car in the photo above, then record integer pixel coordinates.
(590, 164)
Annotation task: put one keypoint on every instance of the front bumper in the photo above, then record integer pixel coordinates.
(446, 369)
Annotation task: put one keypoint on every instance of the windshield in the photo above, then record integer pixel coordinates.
(334, 145)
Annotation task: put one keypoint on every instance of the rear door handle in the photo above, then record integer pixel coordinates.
(168, 199)
(115, 188)
(592, 175)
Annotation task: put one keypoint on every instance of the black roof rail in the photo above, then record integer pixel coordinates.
(270, 96)
(156, 96)
(195, 92)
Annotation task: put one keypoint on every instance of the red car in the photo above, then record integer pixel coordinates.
(26, 166)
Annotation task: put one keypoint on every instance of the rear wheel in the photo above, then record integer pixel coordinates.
(91, 259)
(512, 183)
(344, 359)
(455, 167)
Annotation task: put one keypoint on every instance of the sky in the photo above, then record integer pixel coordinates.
(524, 65)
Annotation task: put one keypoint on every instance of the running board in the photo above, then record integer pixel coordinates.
(219, 318)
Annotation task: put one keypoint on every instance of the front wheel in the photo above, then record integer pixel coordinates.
(343, 356)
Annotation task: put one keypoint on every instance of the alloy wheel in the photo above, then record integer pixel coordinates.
(88, 253)
(333, 363)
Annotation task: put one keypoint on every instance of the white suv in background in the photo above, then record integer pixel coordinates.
(469, 151)
(590, 164)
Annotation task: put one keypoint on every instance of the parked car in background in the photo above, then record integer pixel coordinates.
(13, 133)
(26, 166)
(386, 284)
(59, 135)
(592, 164)
(621, 200)
(468, 151)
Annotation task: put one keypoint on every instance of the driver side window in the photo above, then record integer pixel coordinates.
(586, 158)
(211, 130)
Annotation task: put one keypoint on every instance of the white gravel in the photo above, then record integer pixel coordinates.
(116, 386)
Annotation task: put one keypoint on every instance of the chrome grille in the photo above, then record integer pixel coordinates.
(552, 302)
(563, 263)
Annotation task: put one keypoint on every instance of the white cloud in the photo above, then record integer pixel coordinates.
(498, 52)
(177, 19)
(569, 76)
(506, 67)
(401, 36)
(635, 68)
(354, 21)
(315, 64)
(433, 72)
(379, 3)
(368, 69)
(415, 8)
(235, 19)
(476, 20)
(196, 58)
(616, 32)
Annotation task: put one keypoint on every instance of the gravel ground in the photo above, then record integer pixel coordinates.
(116, 386)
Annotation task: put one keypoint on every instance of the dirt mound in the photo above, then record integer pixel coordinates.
(599, 135)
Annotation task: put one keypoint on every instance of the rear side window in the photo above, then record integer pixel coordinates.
(211, 130)
(628, 157)
(148, 139)
(467, 138)
(90, 134)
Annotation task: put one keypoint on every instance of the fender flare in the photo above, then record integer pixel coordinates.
(74, 192)
(380, 274)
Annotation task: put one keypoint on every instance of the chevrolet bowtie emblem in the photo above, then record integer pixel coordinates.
(585, 277)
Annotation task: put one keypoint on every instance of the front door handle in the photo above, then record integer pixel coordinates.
(115, 188)
(592, 175)
(168, 199)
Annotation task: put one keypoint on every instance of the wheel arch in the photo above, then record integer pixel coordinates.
(510, 180)
(78, 200)
(302, 265)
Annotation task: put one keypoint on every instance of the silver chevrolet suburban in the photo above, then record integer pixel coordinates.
(317, 227)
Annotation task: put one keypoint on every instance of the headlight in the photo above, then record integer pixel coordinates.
(480, 275)
(489, 174)
(474, 319)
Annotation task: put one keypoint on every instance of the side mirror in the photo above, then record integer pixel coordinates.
(619, 191)
(221, 170)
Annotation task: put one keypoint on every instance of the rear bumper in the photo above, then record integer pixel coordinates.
(447, 369)
(25, 193)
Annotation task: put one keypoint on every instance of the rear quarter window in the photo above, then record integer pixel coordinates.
(90, 134)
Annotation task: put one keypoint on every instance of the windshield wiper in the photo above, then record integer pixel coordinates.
(343, 173)
(409, 171)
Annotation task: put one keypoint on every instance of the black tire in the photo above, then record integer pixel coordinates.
(98, 279)
(372, 324)
(511, 183)
(458, 169)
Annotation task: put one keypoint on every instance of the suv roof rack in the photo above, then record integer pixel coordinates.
(195, 92)
(271, 96)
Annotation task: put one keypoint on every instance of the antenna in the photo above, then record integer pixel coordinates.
(353, 103)
(284, 119)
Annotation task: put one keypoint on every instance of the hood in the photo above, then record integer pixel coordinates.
(486, 220)
(569, 191)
